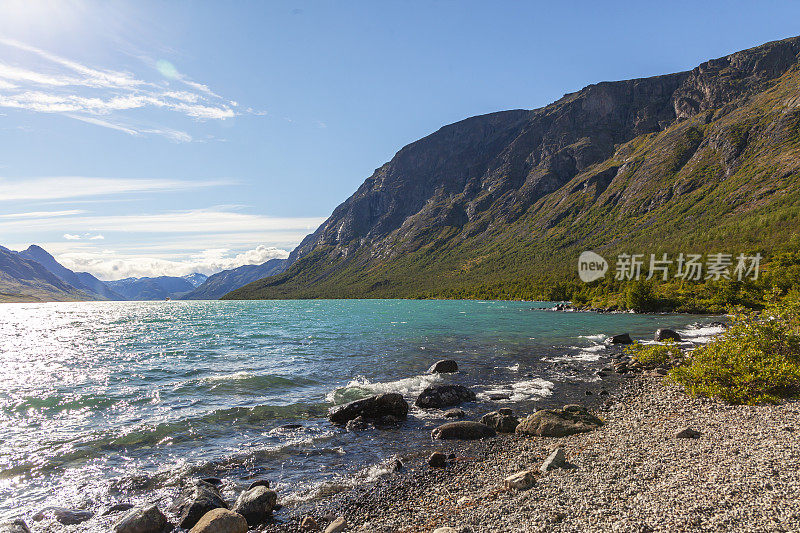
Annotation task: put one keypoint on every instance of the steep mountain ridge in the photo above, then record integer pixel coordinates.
(511, 196)
(23, 280)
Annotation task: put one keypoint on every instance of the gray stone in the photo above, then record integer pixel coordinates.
(454, 413)
(372, 408)
(623, 338)
(438, 396)
(557, 459)
(118, 508)
(688, 433)
(64, 516)
(197, 499)
(256, 504)
(437, 460)
(664, 334)
(143, 520)
(463, 430)
(14, 526)
(559, 423)
(520, 481)
(337, 525)
(220, 521)
(259, 483)
(445, 366)
(502, 423)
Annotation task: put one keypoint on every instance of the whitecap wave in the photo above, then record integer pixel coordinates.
(519, 391)
(361, 387)
(700, 333)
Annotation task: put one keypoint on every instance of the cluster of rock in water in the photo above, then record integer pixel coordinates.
(202, 509)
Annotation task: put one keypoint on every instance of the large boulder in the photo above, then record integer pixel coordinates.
(372, 408)
(437, 396)
(220, 521)
(666, 334)
(337, 526)
(445, 366)
(502, 421)
(463, 430)
(559, 422)
(64, 516)
(623, 338)
(256, 504)
(143, 520)
(15, 526)
(196, 501)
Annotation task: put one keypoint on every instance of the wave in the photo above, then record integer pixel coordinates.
(243, 382)
(361, 387)
(530, 389)
(700, 333)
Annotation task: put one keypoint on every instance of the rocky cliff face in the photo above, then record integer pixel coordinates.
(636, 145)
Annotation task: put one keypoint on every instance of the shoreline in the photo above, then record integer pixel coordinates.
(632, 474)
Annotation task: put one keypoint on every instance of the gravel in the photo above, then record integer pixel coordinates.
(633, 474)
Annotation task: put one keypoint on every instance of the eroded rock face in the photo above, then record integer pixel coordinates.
(143, 520)
(373, 408)
(438, 396)
(197, 500)
(559, 423)
(220, 521)
(256, 504)
(463, 430)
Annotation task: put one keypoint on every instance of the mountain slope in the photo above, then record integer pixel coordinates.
(22, 280)
(82, 281)
(500, 205)
(157, 288)
(223, 282)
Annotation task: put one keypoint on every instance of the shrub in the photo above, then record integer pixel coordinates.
(756, 360)
(653, 355)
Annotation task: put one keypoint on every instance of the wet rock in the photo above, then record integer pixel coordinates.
(396, 465)
(623, 338)
(499, 396)
(688, 433)
(143, 520)
(359, 423)
(437, 396)
(454, 413)
(520, 481)
(601, 374)
(308, 524)
(587, 393)
(463, 430)
(664, 334)
(437, 460)
(259, 483)
(559, 423)
(15, 526)
(506, 411)
(220, 521)
(256, 504)
(603, 392)
(337, 525)
(500, 422)
(445, 366)
(212, 480)
(291, 426)
(118, 508)
(388, 421)
(64, 516)
(198, 499)
(557, 459)
(372, 408)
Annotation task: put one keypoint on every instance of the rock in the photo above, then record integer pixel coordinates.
(601, 374)
(370, 408)
(663, 334)
(308, 524)
(118, 508)
(499, 396)
(437, 460)
(559, 423)
(143, 520)
(291, 426)
(220, 521)
(502, 423)
(15, 526)
(587, 393)
(506, 411)
(64, 516)
(454, 413)
(196, 501)
(212, 480)
(623, 338)
(337, 525)
(445, 366)
(359, 423)
(557, 459)
(396, 465)
(445, 530)
(444, 396)
(520, 481)
(688, 433)
(259, 483)
(603, 392)
(256, 504)
(387, 421)
(463, 430)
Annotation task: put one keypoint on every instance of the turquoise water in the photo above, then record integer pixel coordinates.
(108, 402)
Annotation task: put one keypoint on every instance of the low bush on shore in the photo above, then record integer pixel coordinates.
(756, 360)
(652, 355)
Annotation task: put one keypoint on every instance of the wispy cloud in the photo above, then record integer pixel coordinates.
(104, 97)
(41, 214)
(62, 187)
(71, 237)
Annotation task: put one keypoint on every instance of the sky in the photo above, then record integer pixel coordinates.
(147, 138)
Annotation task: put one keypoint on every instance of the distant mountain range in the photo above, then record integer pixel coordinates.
(34, 275)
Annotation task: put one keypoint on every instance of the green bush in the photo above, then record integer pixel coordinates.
(652, 355)
(756, 360)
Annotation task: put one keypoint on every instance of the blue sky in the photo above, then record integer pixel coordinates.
(148, 138)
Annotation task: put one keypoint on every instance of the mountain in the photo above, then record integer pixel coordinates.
(151, 288)
(82, 281)
(500, 205)
(23, 280)
(196, 279)
(223, 282)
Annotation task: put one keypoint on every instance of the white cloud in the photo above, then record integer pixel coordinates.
(42, 214)
(107, 264)
(96, 238)
(71, 237)
(50, 188)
